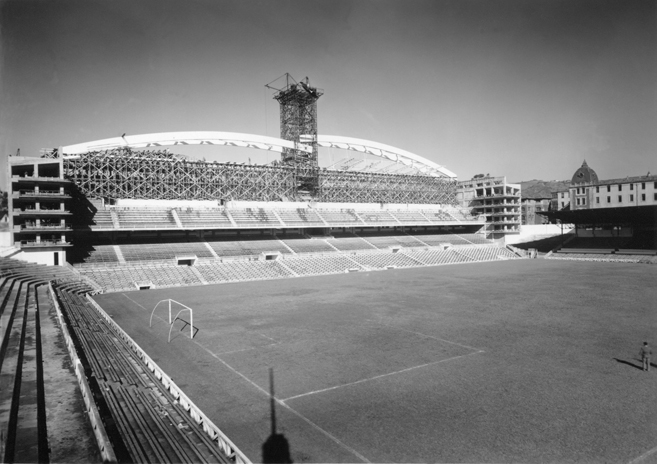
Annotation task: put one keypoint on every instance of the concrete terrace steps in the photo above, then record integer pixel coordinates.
(151, 423)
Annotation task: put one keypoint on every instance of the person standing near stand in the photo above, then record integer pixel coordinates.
(645, 353)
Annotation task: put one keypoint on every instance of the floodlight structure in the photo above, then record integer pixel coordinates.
(298, 117)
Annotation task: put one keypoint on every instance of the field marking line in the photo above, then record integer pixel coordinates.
(280, 402)
(644, 456)
(224, 352)
(138, 304)
(427, 336)
(380, 376)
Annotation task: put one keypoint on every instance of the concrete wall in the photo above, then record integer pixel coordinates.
(529, 233)
(41, 257)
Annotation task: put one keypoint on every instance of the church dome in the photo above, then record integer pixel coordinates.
(584, 175)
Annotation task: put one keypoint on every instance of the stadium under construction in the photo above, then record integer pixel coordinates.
(127, 213)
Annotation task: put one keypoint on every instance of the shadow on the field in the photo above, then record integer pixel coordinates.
(276, 449)
(630, 363)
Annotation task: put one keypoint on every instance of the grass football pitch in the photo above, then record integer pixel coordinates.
(511, 361)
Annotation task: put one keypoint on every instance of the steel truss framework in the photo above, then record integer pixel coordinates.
(298, 116)
(158, 175)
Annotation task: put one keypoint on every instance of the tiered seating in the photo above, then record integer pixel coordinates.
(153, 426)
(146, 218)
(377, 217)
(234, 271)
(247, 247)
(476, 239)
(102, 220)
(437, 257)
(318, 265)
(336, 218)
(349, 242)
(254, 217)
(483, 253)
(303, 245)
(126, 277)
(159, 251)
(436, 239)
(410, 216)
(300, 217)
(102, 254)
(23, 398)
(385, 260)
(385, 241)
(203, 218)
(437, 216)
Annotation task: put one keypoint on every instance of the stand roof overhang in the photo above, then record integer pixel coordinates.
(639, 215)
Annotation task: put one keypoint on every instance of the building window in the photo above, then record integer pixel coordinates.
(631, 186)
(597, 200)
(631, 197)
(578, 201)
(608, 188)
(655, 187)
(643, 185)
(643, 197)
(608, 199)
(655, 197)
(583, 201)
(562, 194)
(620, 198)
(597, 190)
(620, 188)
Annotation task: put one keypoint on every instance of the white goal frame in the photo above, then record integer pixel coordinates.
(171, 321)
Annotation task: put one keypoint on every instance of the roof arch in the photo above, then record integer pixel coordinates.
(163, 139)
(398, 155)
(261, 142)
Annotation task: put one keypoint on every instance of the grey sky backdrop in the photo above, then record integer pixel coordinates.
(524, 88)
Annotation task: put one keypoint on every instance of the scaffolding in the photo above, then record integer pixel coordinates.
(298, 118)
(159, 175)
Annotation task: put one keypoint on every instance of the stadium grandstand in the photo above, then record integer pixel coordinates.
(128, 213)
(614, 220)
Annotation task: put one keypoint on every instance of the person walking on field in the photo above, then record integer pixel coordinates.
(645, 353)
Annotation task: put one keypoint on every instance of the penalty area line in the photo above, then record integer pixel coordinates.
(281, 403)
(380, 376)
(645, 455)
(427, 336)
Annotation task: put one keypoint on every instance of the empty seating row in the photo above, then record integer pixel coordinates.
(349, 242)
(385, 260)
(262, 217)
(153, 426)
(300, 217)
(254, 217)
(247, 247)
(299, 244)
(24, 395)
(102, 220)
(203, 218)
(127, 277)
(102, 254)
(385, 241)
(236, 271)
(146, 218)
(317, 265)
(156, 251)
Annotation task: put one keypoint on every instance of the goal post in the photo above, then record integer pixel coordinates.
(169, 302)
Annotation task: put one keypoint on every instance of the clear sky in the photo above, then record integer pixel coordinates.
(522, 88)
